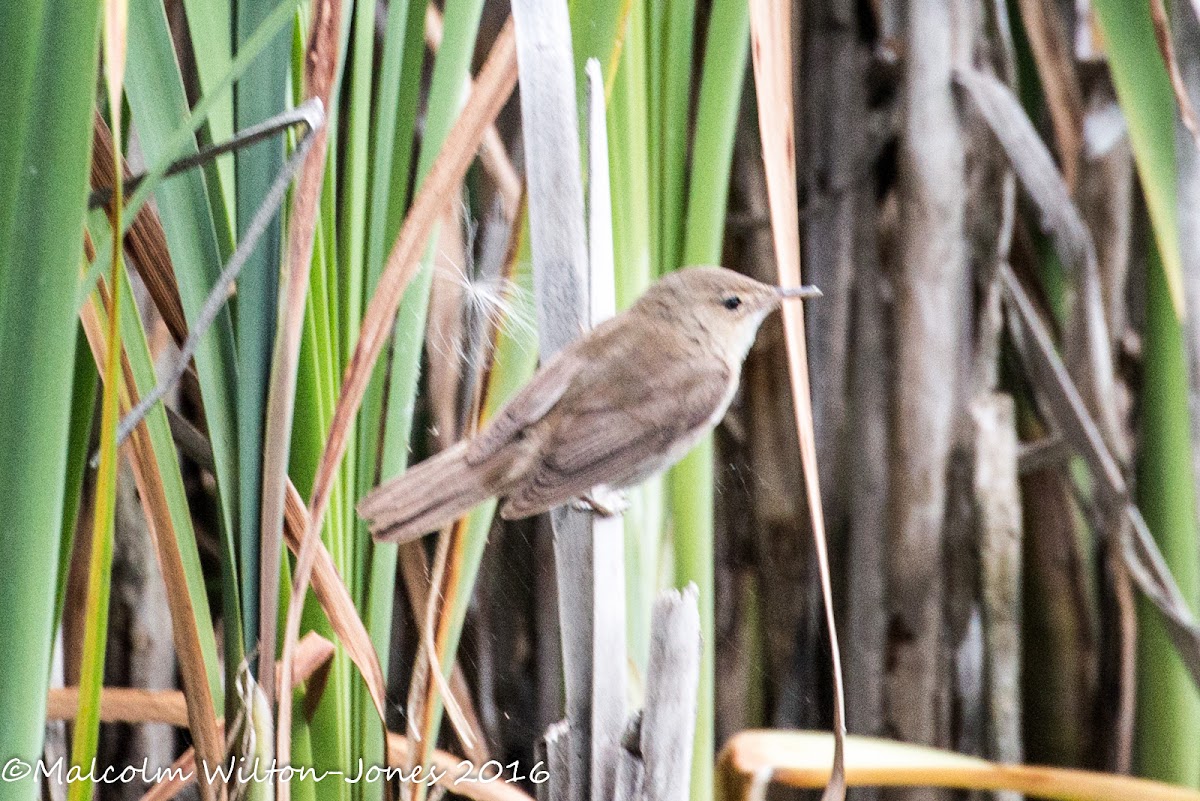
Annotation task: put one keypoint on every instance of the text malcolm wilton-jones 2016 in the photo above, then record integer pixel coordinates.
(245, 771)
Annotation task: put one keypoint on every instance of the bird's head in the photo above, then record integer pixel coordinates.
(724, 306)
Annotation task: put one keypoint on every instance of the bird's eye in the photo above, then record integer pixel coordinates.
(732, 302)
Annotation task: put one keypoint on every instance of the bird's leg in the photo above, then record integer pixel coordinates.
(604, 501)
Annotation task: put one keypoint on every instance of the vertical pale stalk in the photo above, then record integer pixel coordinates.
(931, 276)
(630, 177)
(609, 640)
(558, 234)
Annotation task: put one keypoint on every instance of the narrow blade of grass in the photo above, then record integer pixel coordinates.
(690, 483)
(160, 487)
(50, 90)
(261, 93)
(211, 27)
(83, 403)
(1144, 92)
(99, 576)
(392, 150)
(159, 110)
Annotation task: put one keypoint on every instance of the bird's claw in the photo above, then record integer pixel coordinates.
(603, 501)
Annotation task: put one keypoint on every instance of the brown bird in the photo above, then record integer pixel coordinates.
(623, 402)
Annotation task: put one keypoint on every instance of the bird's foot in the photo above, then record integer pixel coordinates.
(603, 501)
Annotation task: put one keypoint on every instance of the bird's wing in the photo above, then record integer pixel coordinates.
(617, 433)
(526, 407)
(605, 344)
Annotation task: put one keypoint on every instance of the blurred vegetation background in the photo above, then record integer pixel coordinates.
(973, 175)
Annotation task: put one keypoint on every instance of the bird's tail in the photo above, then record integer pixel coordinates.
(430, 495)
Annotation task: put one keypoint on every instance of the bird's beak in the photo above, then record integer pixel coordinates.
(803, 292)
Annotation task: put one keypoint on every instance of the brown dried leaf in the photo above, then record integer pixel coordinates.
(320, 68)
(146, 242)
(336, 603)
(452, 768)
(1051, 47)
(770, 39)
(122, 705)
(201, 711)
(130, 705)
(176, 778)
(415, 572)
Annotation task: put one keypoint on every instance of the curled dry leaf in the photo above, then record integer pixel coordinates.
(175, 779)
(452, 768)
(415, 572)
